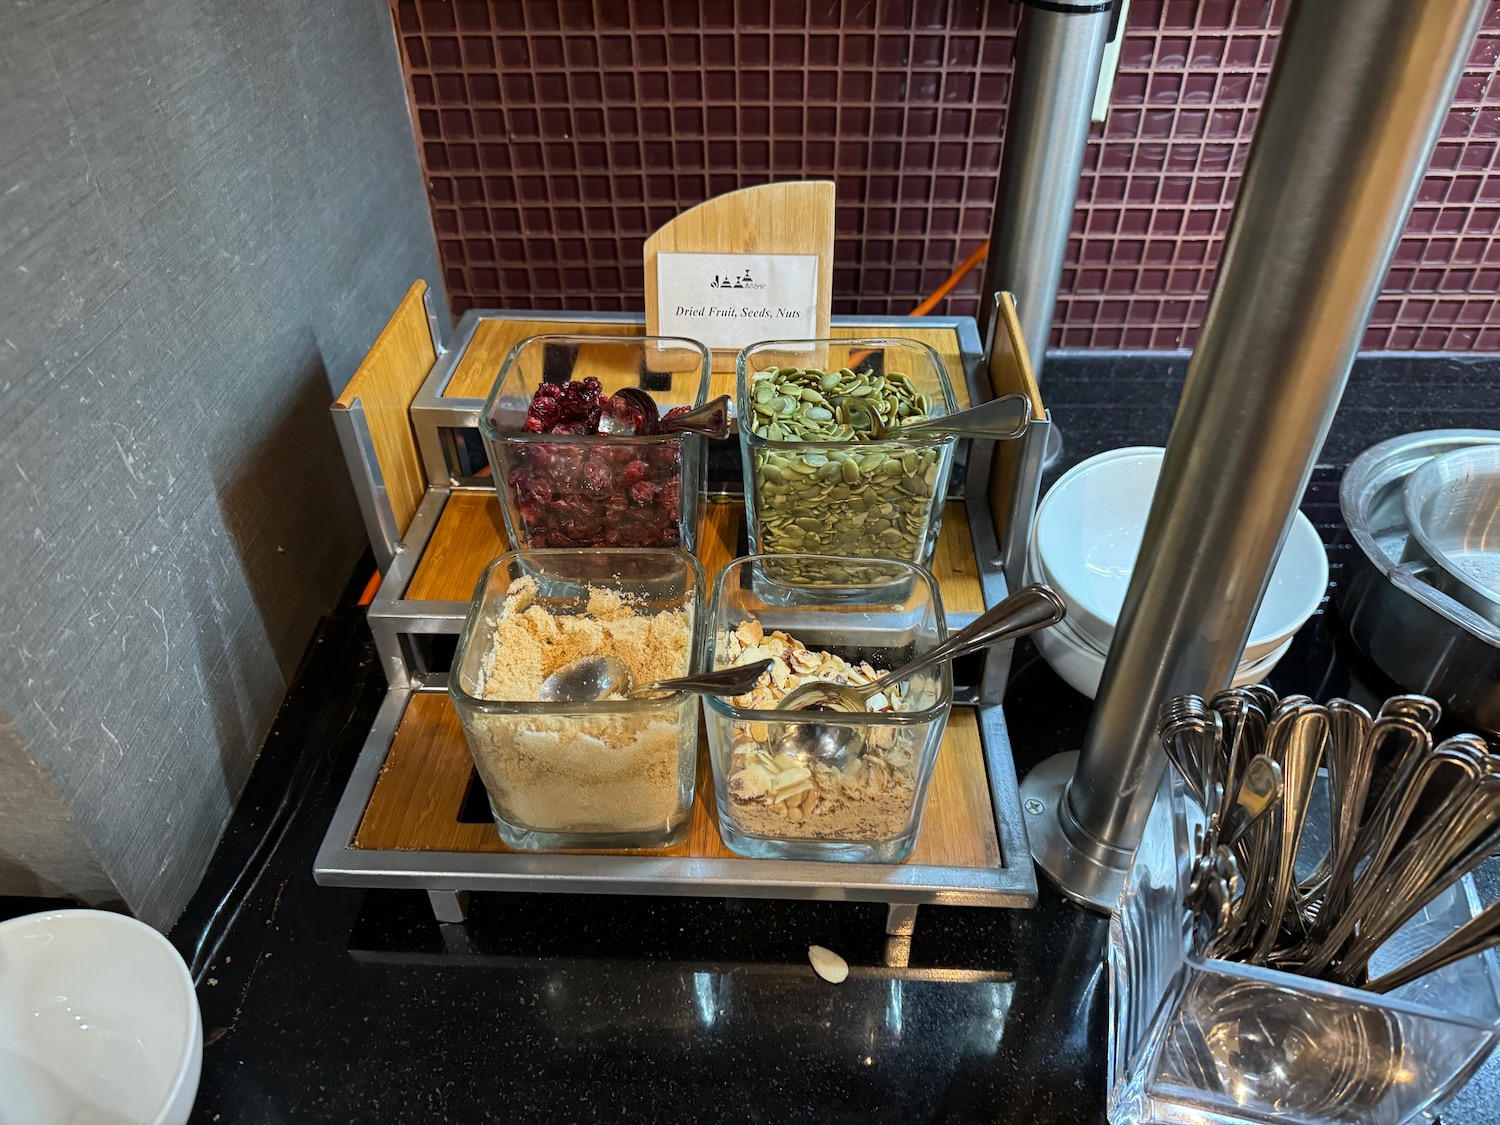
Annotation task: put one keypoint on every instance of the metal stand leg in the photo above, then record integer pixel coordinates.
(456, 937)
(449, 906)
(901, 919)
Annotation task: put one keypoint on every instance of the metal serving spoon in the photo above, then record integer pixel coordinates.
(1027, 610)
(711, 419)
(1260, 788)
(1000, 419)
(1479, 933)
(594, 677)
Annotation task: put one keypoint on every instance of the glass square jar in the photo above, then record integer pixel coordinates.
(811, 488)
(597, 490)
(1199, 1039)
(606, 774)
(868, 809)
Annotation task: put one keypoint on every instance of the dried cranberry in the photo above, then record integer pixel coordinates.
(543, 411)
(675, 411)
(536, 487)
(577, 509)
(547, 390)
(617, 502)
(563, 460)
(578, 427)
(634, 473)
(666, 454)
(671, 497)
(643, 492)
(597, 476)
(592, 387)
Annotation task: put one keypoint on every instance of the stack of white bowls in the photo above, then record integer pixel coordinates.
(1084, 543)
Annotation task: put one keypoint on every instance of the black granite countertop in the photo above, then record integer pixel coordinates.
(331, 1004)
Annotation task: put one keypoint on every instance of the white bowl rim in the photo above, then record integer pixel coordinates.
(1246, 673)
(1066, 633)
(192, 1035)
(1278, 632)
(1077, 640)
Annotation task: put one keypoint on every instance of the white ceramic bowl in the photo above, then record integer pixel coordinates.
(1088, 533)
(99, 1022)
(1081, 667)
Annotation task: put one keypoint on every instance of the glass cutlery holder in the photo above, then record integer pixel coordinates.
(1195, 1039)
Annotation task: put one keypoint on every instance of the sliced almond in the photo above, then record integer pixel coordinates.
(781, 675)
(828, 964)
(750, 783)
(792, 796)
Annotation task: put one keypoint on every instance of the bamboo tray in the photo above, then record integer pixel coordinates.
(413, 813)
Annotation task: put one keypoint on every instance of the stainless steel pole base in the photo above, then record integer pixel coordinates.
(1087, 871)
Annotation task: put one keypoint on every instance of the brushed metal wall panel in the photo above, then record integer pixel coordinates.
(207, 211)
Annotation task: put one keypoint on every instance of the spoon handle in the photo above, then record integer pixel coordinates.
(999, 419)
(1476, 935)
(711, 420)
(735, 680)
(1027, 610)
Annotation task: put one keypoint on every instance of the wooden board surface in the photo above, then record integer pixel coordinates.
(421, 790)
(385, 383)
(786, 218)
(469, 534)
(471, 531)
(479, 366)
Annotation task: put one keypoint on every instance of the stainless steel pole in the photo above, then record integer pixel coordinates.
(1357, 96)
(1058, 49)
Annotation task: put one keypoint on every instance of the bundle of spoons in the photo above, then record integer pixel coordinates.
(1406, 819)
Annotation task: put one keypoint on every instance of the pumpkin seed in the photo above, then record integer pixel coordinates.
(883, 492)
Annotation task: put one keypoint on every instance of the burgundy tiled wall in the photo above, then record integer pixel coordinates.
(557, 134)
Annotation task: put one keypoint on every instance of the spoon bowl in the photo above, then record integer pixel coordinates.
(711, 419)
(1027, 610)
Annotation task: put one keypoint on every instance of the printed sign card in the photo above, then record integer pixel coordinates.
(754, 264)
(731, 300)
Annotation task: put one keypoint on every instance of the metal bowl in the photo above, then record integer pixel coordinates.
(1452, 508)
(1421, 637)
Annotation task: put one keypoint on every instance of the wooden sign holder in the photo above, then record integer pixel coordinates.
(788, 218)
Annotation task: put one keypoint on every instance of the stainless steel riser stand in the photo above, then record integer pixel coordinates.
(1359, 91)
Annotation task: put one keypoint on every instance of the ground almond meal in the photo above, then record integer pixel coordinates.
(774, 795)
(606, 773)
